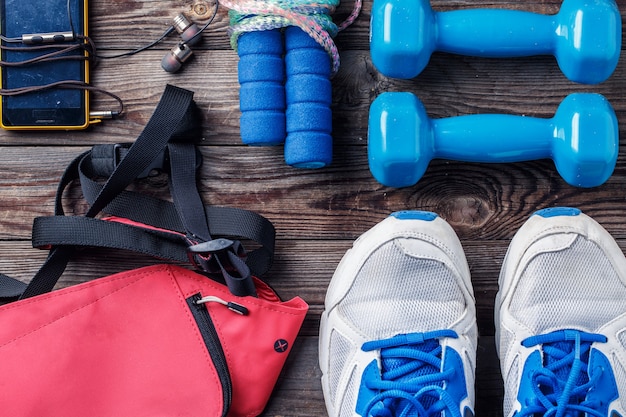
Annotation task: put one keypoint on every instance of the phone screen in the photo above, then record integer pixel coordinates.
(57, 107)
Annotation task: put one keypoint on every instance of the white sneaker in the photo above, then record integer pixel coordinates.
(561, 319)
(398, 336)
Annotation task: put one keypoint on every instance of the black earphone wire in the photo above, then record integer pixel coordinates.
(162, 37)
(138, 50)
(67, 84)
(87, 44)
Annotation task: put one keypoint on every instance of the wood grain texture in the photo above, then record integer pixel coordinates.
(317, 213)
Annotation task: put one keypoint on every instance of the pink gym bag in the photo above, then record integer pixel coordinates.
(163, 340)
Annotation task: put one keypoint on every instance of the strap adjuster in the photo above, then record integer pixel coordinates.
(225, 257)
(211, 246)
(157, 165)
(205, 256)
(106, 157)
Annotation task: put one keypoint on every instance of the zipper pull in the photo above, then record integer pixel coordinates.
(237, 308)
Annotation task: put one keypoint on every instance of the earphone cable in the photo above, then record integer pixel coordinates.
(138, 50)
(163, 36)
(58, 55)
(68, 84)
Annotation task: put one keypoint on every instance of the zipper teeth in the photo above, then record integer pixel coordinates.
(212, 342)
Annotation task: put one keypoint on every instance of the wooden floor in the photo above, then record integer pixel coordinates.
(318, 213)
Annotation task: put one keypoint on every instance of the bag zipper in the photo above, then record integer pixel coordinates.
(214, 346)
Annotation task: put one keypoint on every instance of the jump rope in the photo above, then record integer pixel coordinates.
(246, 16)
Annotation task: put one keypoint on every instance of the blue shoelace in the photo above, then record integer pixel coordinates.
(560, 387)
(412, 382)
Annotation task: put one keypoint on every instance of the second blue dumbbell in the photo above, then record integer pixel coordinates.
(582, 138)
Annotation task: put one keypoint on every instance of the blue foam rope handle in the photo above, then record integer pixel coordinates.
(261, 73)
(309, 95)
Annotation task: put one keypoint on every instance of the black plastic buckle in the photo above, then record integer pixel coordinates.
(211, 246)
(107, 161)
(225, 257)
(156, 166)
(201, 254)
(106, 158)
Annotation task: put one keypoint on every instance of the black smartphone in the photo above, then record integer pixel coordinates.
(27, 25)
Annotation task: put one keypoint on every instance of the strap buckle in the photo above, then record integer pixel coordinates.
(162, 163)
(158, 164)
(225, 257)
(106, 157)
(211, 246)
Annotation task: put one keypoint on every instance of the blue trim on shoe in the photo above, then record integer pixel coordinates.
(557, 211)
(416, 377)
(414, 215)
(566, 375)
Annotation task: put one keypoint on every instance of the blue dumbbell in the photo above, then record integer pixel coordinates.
(582, 138)
(309, 143)
(585, 36)
(261, 72)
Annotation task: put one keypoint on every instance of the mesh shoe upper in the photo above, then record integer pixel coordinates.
(561, 318)
(400, 314)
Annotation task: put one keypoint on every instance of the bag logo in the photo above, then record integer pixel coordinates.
(281, 345)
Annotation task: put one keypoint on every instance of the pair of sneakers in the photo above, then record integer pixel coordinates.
(398, 336)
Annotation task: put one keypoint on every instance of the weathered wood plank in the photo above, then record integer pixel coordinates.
(317, 213)
(483, 201)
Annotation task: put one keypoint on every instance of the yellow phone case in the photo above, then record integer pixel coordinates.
(87, 121)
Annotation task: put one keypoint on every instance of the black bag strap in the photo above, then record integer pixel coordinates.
(179, 230)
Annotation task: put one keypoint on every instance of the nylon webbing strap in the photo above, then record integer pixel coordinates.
(170, 228)
(89, 232)
(165, 120)
(187, 215)
(10, 287)
(185, 192)
(223, 221)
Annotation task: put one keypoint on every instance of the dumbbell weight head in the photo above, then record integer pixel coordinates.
(590, 39)
(400, 139)
(582, 138)
(585, 141)
(402, 36)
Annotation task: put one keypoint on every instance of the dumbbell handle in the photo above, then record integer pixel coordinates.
(495, 33)
(492, 138)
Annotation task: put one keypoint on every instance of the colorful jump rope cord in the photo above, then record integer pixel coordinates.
(312, 17)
